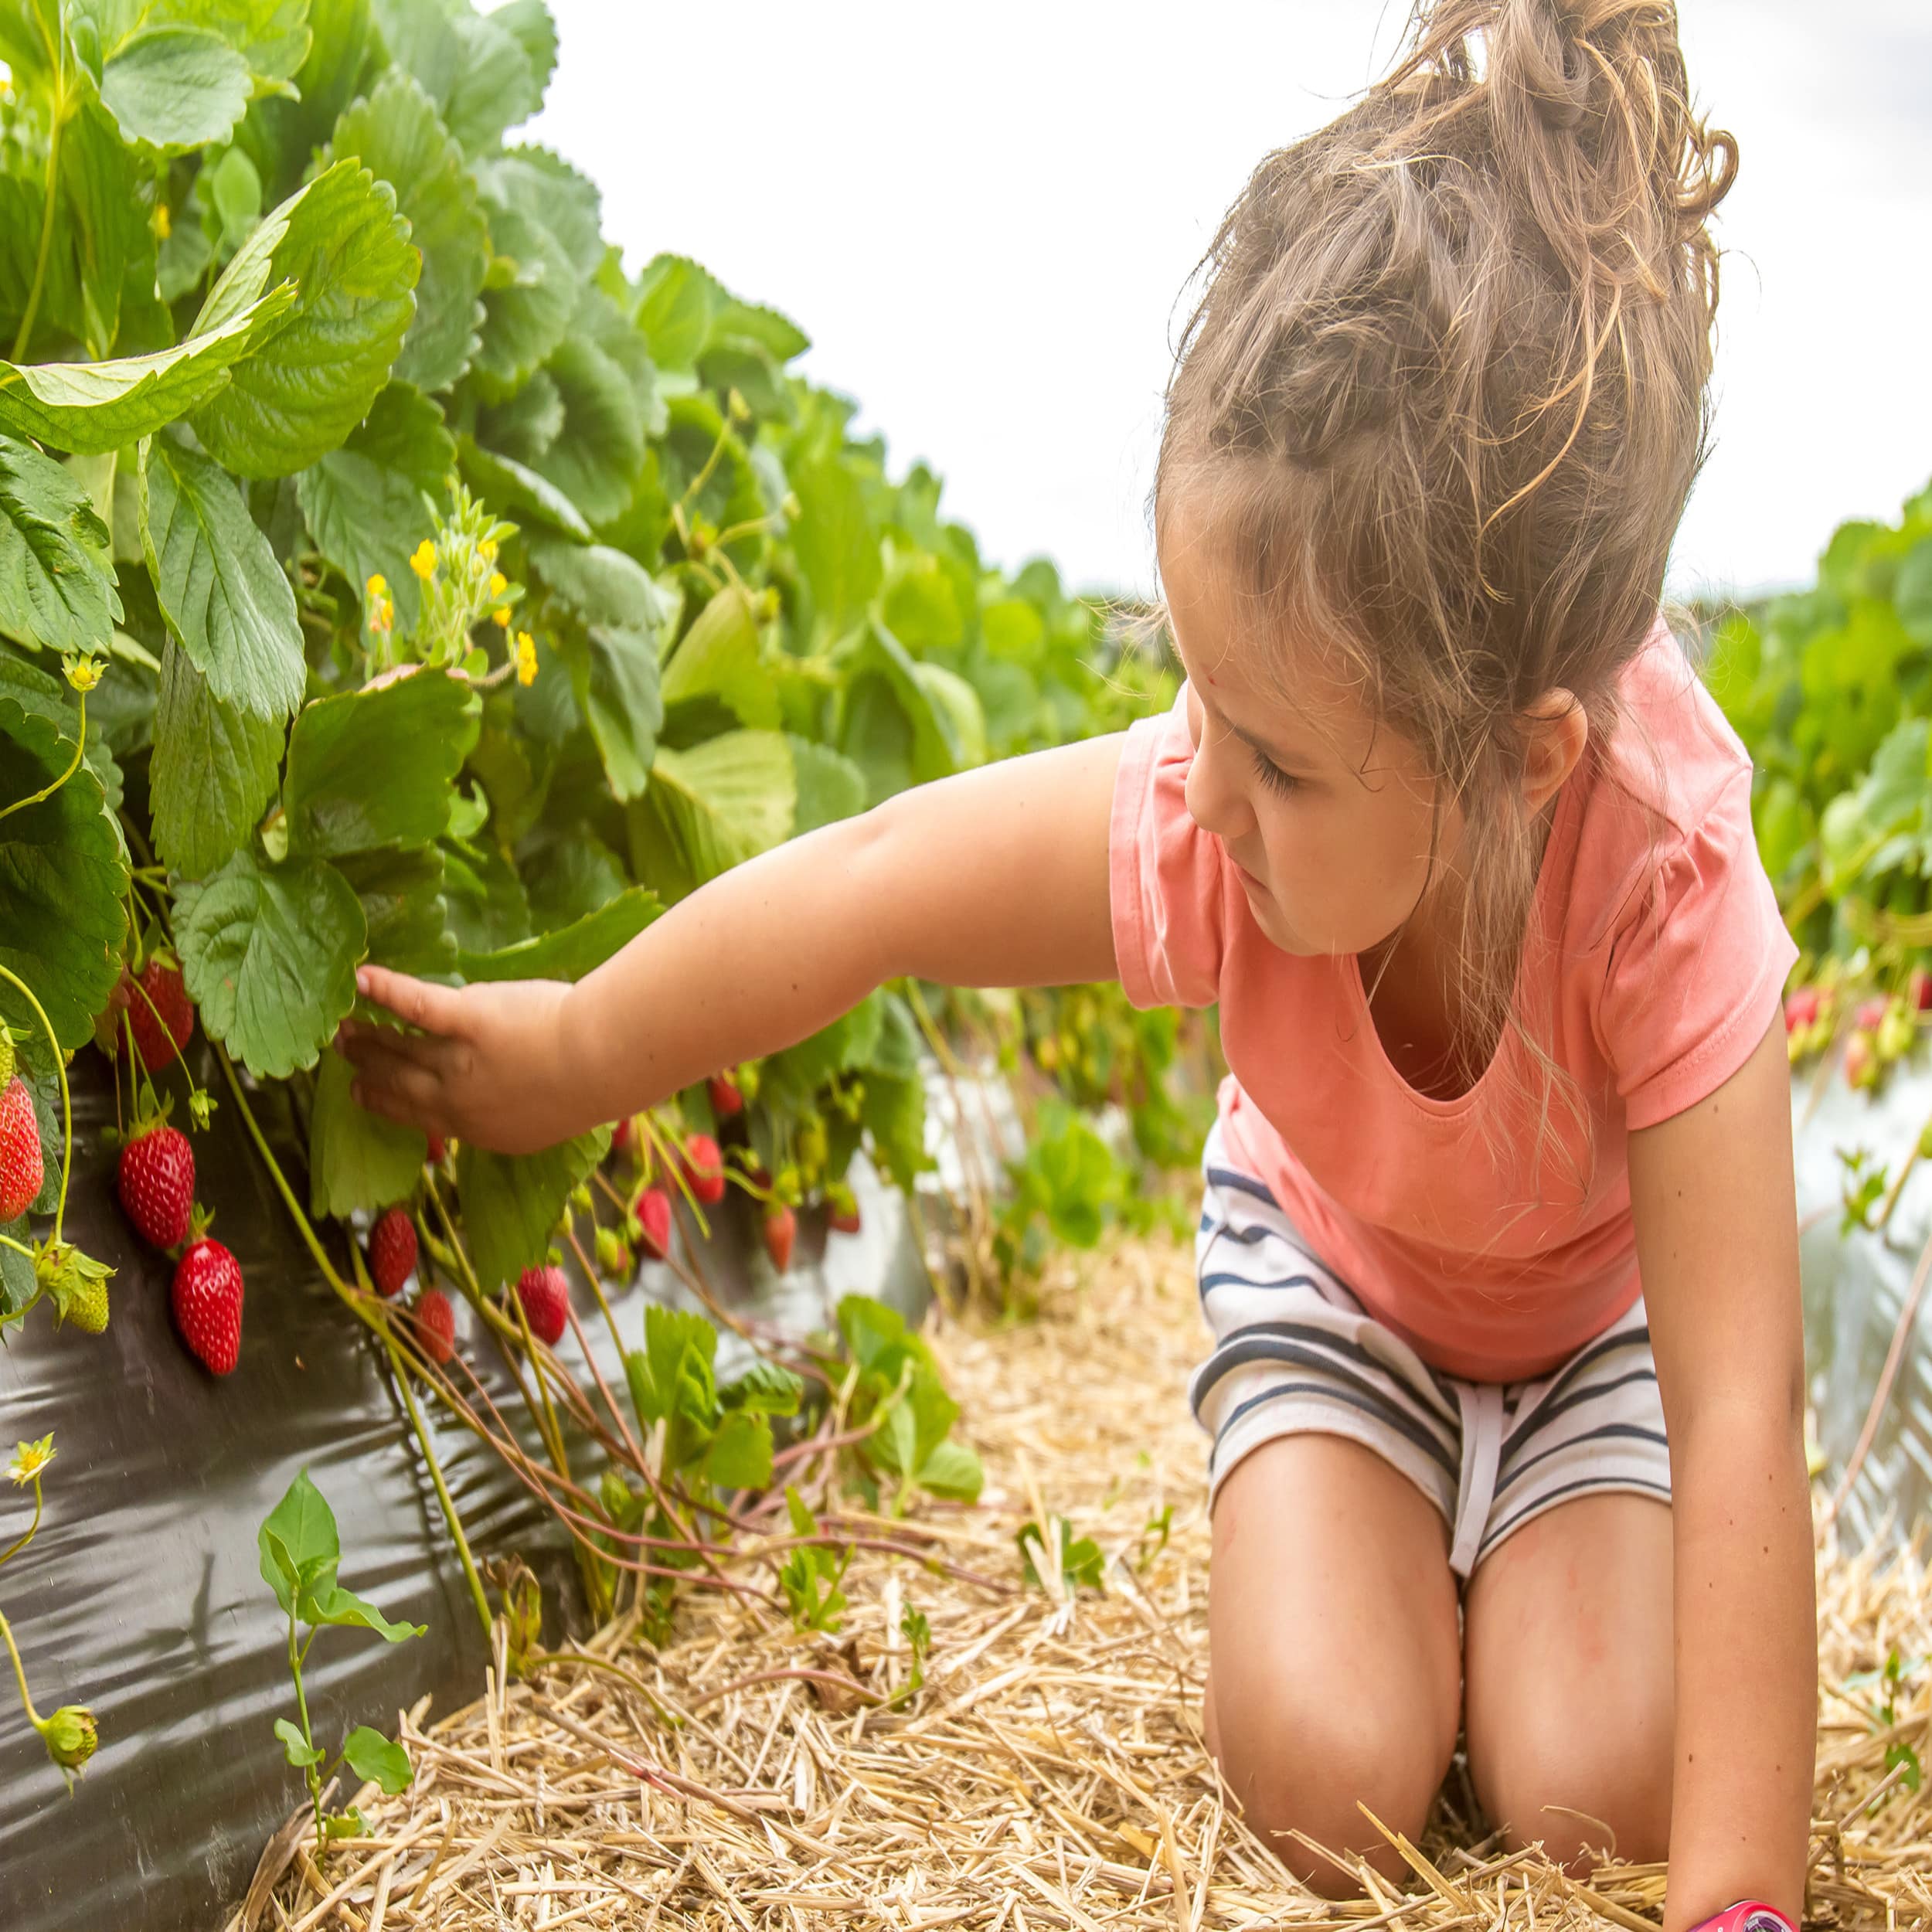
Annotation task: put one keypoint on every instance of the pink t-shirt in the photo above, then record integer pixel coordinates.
(1654, 929)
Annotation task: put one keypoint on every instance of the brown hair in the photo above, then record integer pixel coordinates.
(1444, 394)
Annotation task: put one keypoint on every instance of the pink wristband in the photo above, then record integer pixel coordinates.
(1748, 1915)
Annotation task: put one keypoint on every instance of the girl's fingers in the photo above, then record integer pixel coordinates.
(438, 1009)
(372, 1046)
(399, 1091)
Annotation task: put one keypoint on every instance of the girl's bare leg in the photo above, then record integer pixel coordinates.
(1336, 1670)
(1570, 1664)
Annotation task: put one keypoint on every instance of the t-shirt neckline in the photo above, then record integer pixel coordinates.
(1357, 991)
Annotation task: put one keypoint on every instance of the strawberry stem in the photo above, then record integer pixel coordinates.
(67, 1109)
(400, 1370)
(47, 791)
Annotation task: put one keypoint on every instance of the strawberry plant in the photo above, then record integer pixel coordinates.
(301, 1552)
(390, 571)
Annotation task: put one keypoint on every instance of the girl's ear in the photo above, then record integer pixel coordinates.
(1555, 729)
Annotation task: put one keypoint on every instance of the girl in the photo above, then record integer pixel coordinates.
(1498, 1251)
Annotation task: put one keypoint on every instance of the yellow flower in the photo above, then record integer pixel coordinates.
(164, 221)
(499, 583)
(381, 614)
(30, 1458)
(377, 586)
(487, 550)
(500, 616)
(82, 672)
(423, 562)
(525, 658)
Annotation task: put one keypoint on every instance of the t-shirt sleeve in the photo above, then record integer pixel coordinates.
(1696, 973)
(1167, 877)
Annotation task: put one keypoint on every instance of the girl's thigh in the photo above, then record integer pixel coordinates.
(1335, 1665)
(1568, 1654)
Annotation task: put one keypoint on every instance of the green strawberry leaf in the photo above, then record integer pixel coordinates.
(313, 378)
(212, 772)
(217, 582)
(401, 893)
(328, 1603)
(63, 879)
(830, 787)
(719, 657)
(487, 906)
(375, 767)
(175, 87)
(613, 676)
(601, 585)
(90, 408)
(511, 1202)
(678, 309)
(356, 1159)
(269, 953)
(493, 89)
(535, 33)
(299, 1751)
(543, 218)
(54, 590)
(372, 1757)
(728, 799)
(837, 545)
(368, 504)
(595, 459)
(952, 1469)
(739, 1454)
(395, 134)
(766, 1388)
(510, 488)
(894, 1113)
(570, 951)
(273, 36)
(298, 1540)
(17, 1283)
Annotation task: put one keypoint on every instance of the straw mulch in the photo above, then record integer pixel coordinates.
(1050, 1771)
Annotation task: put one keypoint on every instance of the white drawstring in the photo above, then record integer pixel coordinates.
(1481, 1450)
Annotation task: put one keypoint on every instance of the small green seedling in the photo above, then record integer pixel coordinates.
(810, 1577)
(1080, 1561)
(1862, 1189)
(1153, 1535)
(1886, 1714)
(300, 1551)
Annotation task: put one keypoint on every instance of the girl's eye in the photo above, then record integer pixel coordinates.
(1272, 775)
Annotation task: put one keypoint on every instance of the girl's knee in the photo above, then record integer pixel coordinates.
(1297, 1770)
(1581, 1797)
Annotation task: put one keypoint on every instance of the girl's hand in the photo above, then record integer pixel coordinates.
(491, 1066)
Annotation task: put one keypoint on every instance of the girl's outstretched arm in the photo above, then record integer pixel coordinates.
(996, 877)
(1713, 1197)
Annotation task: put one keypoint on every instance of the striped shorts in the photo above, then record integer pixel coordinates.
(1295, 1352)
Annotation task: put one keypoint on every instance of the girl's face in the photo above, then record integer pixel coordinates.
(1326, 813)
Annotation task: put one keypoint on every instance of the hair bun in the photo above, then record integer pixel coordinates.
(1536, 50)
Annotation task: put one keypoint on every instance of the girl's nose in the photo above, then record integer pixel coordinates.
(1217, 801)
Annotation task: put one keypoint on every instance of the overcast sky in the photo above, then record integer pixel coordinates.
(983, 217)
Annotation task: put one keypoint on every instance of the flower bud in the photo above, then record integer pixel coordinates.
(70, 1735)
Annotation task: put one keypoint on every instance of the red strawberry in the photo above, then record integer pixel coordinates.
(624, 1134)
(156, 1181)
(726, 1101)
(1918, 990)
(654, 1222)
(435, 1325)
(21, 1169)
(704, 1168)
(545, 1295)
(392, 1251)
(1801, 1008)
(1870, 1015)
(844, 1217)
(781, 1229)
(206, 1300)
(162, 1029)
(436, 1150)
